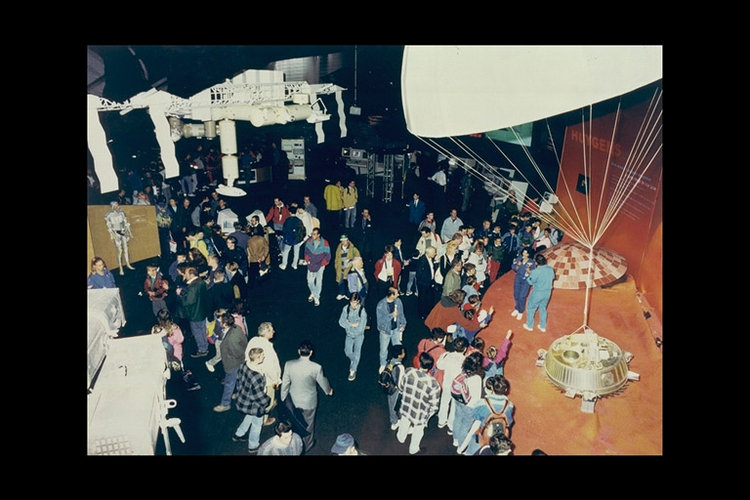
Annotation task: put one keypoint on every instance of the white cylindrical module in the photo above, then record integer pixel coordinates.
(228, 137)
(193, 130)
(175, 127)
(279, 115)
(230, 169)
(210, 129)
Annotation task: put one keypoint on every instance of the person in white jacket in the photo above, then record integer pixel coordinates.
(450, 362)
(270, 365)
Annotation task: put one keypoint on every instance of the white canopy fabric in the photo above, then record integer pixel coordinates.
(459, 90)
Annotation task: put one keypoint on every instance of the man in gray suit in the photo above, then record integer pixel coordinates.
(300, 380)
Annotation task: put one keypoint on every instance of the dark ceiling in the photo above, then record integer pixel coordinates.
(183, 70)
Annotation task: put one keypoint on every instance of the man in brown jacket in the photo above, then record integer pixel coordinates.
(257, 256)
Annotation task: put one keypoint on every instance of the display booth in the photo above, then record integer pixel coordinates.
(143, 245)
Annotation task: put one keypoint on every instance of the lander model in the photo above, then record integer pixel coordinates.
(584, 363)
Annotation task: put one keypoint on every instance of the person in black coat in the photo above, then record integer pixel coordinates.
(426, 282)
(363, 233)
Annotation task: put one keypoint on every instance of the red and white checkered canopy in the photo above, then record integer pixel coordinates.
(572, 264)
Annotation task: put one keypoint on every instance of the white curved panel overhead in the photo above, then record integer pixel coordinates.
(459, 90)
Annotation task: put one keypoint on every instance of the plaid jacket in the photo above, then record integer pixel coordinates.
(420, 394)
(252, 398)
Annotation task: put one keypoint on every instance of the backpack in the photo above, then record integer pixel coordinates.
(301, 233)
(496, 423)
(460, 390)
(363, 286)
(387, 381)
(163, 218)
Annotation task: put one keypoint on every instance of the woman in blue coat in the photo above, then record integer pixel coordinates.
(522, 265)
(353, 320)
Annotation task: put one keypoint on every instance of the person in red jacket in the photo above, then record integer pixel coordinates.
(387, 272)
(276, 216)
(448, 312)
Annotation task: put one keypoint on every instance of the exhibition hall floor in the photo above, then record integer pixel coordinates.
(629, 423)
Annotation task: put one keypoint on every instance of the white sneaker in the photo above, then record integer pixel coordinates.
(541, 329)
(282, 267)
(408, 293)
(527, 327)
(394, 426)
(341, 297)
(210, 367)
(519, 316)
(514, 313)
(302, 262)
(352, 375)
(310, 298)
(317, 302)
(380, 369)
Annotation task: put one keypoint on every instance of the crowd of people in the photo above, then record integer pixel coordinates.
(447, 264)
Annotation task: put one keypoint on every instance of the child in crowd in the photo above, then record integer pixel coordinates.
(470, 288)
(494, 360)
(172, 339)
(479, 317)
(156, 287)
(215, 335)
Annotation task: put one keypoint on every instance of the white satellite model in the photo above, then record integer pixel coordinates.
(261, 97)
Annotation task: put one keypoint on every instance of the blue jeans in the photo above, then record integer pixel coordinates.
(473, 446)
(255, 424)
(230, 380)
(285, 254)
(198, 328)
(520, 292)
(315, 281)
(462, 422)
(538, 301)
(392, 415)
(343, 288)
(412, 281)
(350, 214)
(353, 350)
(392, 337)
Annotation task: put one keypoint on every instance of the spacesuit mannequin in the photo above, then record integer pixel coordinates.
(119, 232)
